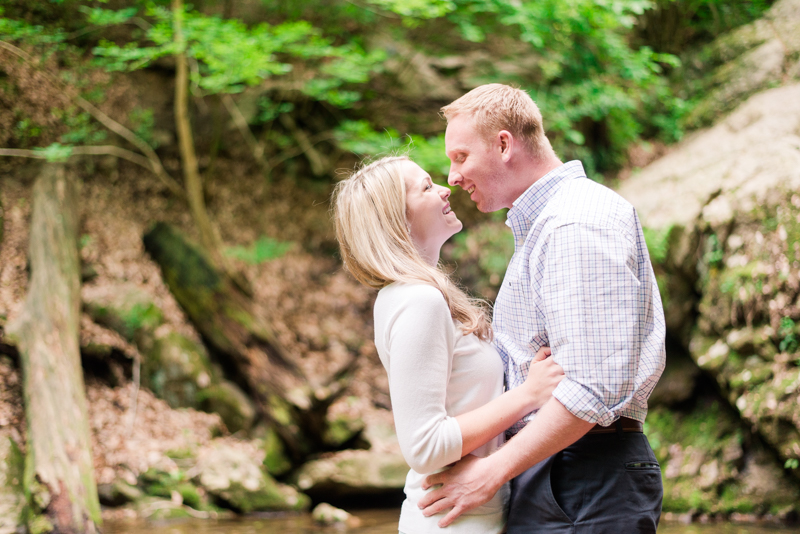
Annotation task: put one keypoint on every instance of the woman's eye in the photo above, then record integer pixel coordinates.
(428, 187)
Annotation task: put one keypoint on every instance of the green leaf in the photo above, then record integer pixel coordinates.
(55, 152)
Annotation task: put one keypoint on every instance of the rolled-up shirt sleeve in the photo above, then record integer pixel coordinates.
(593, 303)
(420, 340)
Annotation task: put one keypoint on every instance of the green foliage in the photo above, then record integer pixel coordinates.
(34, 34)
(228, 55)
(106, 17)
(82, 130)
(54, 152)
(789, 342)
(791, 463)
(657, 243)
(482, 254)
(140, 316)
(586, 73)
(359, 138)
(264, 249)
(268, 110)
(27, 131)
(143, 124)
(714, 253)
(423, 9)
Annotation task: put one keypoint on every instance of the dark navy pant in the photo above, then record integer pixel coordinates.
(603, 483)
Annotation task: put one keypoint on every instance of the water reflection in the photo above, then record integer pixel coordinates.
(373, 522)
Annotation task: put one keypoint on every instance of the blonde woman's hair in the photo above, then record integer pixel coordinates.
(369, 210)
(496, 107)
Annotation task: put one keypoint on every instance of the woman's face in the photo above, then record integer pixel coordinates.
(430, 219)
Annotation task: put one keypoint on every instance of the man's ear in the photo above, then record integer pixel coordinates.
(505, 141)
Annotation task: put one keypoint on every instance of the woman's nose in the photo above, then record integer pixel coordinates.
(444, 192)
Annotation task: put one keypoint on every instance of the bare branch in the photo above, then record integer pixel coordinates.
(103, 150)
(319, 163)
(111, 124)
(241, 123)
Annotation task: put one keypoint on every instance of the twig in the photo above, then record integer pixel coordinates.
(155, 162)
(241, 123)
(318, 162)
(392, 16)
(102, 150)
(137, 21)
(294, 153)
(137, 380)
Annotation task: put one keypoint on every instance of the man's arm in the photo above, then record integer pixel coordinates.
(473, 481)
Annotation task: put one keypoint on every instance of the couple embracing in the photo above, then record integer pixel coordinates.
(531, 423)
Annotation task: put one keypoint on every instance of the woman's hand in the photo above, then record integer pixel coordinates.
(544, 375)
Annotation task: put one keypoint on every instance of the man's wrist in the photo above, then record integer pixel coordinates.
(497, 470)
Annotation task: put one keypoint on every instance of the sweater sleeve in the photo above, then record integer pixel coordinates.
(420, 340)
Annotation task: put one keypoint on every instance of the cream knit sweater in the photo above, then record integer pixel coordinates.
(435, 373)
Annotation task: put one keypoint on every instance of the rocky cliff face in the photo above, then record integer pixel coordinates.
(722, 218)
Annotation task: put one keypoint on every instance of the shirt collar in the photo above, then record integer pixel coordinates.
(527, 207)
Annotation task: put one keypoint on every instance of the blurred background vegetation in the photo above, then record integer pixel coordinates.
(230, 122)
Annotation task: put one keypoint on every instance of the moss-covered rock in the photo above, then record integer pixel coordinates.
(230, 402)
(126, 309)
(237, 480)
(118, 493)
(12, 500)
(735, 203)
(749, 59)
(177, 369)
(276, 461)
(710, 466)
(353, 473)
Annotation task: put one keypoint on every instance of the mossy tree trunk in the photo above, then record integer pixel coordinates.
(59, 476)
(245, 345)
(193, 181)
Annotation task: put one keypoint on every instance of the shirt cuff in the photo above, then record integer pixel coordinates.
(582, 403)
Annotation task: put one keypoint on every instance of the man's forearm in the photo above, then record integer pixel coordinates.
(553, 429)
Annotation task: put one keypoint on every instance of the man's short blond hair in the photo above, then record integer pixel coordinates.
(496, 107)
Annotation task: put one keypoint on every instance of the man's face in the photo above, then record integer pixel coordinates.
(476, 164)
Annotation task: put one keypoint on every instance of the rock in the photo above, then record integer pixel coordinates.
(176, 369)
(749, 59)
(230, 402)
(326, 514)
(731, 233)
(237, 480)
(677, 382)
(706, 469)
(353, 473)
(125, 309)
(12, 500)
(276, 461)
(118, 493)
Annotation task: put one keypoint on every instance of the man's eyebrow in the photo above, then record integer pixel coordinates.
(457, 150)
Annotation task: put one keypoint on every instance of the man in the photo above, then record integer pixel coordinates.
(581, 282)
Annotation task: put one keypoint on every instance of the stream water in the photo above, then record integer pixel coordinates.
(373, 522)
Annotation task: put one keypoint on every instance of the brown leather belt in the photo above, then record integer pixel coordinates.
(623, 424)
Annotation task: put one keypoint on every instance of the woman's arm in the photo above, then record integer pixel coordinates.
(484, 423)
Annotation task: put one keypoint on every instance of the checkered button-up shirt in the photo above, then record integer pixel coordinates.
(581, 282)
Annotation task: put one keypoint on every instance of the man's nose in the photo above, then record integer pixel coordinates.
(453, 178)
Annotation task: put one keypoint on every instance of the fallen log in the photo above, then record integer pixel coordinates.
(59, 473)
(245, 346)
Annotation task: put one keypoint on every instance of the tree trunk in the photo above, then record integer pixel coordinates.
(59, 475)
(251, 353)
(193, 182)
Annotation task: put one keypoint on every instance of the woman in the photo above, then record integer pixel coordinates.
(445, 378)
